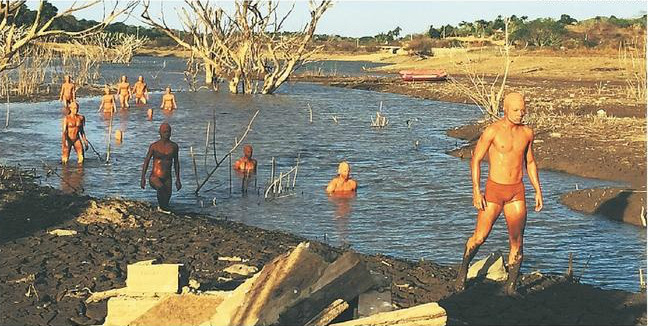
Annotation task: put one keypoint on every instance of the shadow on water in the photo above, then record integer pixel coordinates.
(414, 200)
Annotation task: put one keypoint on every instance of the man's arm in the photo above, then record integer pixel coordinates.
(532, 171)
(176, 167)
(149, 154)
(331, 186)
(73, 92)
(483, 144)
(61, 94)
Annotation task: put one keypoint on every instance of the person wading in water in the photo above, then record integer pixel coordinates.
(73, 134)
(342, 184)
(508, 143)
(164, 153)
(68, 93)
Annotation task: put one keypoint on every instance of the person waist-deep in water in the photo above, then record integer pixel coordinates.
(342, 184)
(246, 164)
(168, 100)
(164, 153)
(140, 91)
(508, 143)
(73, 134)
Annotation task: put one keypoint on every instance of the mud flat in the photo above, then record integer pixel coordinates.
(46, 278)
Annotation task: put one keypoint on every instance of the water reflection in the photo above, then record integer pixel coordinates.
(343, 203)
(72, 178)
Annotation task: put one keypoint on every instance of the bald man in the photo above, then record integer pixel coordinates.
(246, 164)
(342, 184)
(164, 153)
(140, 90)
(508, 143)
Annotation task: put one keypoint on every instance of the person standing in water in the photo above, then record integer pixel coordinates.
(509, 144)
(73, 134)
(68, 92)
(124, 92)
(140, 90)
(168, 100)
(164, 153)
(342, 184)
(107, 104)
(246, 164)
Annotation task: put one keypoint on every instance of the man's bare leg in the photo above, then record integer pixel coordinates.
(485, 221)
(515, 213)
(65, 156)
(163, 188)
(78, 148)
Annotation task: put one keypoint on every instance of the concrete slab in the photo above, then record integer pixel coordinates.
(373, 302)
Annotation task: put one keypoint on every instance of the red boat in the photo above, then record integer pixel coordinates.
(423, 75)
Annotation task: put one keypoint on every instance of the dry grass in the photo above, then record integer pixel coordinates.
(595, 127)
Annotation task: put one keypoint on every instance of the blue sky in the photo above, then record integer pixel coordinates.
(363, 18)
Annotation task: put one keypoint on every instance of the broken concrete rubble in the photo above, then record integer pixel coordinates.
(295, 288)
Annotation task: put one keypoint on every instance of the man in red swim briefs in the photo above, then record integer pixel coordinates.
(509, 145)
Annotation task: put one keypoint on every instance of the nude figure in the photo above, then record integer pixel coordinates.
(107, 104)
(246, 164)
(168, 100)
(124, 92)
(509, 144)
(73, 134)
(164, 153)
(342, 184)
(140, 91)
(68, 92)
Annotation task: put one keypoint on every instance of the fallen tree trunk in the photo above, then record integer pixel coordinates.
(345, 278)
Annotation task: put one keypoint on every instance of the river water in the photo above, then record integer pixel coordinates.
(413, 201)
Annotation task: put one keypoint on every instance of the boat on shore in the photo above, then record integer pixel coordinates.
(423, 75)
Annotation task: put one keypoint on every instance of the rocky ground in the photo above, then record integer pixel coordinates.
(45, 279)
(570, 136)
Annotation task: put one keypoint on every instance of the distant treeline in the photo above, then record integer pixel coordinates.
(541, 32)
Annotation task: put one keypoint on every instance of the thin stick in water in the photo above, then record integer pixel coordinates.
(230, 173)
(109, 138)
(7, 121)
(272, 175)
(193, 158)
(296, 169)
(206, 144)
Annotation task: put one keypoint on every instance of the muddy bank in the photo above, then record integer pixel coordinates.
(46, 278)
(626, 205)
(570, 136)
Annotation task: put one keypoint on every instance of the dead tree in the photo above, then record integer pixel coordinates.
(15, 38)
(487, 96)
(245, 47)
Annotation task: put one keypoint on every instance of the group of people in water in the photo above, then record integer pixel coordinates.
(507, 142)
(73, 135)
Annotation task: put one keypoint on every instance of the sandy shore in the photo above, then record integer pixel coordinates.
(46, 278)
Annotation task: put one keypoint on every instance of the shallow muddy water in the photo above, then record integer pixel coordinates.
(413, 202)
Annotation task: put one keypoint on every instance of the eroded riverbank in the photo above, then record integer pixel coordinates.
(46, 278)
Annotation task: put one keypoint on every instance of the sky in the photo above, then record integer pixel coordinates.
(368, 18)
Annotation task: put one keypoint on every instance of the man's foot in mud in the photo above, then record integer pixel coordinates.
(159, 209)
(510, 292)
